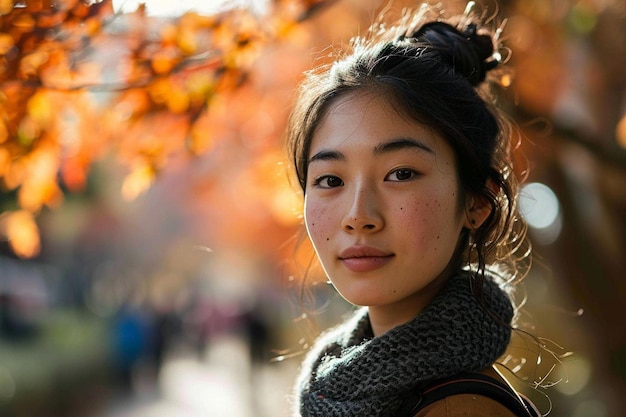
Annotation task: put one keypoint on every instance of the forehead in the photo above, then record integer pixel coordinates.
(367, 118)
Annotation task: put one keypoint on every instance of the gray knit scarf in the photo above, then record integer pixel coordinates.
(351, 373)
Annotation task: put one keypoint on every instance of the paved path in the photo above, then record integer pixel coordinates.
(222, 384)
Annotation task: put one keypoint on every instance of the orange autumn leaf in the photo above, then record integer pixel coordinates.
(31, 64)
(186, 40)
(35, 193)
(39, 184)
(4, 131)
(5, 161)
(25, 22)
(159, 90)
(22, 233)
(40, 109)
(164, 60)
(6, 43)
(74, 173)
(178, 101)
(199, 87)
(138, 182)
(28, 131)
(6, 6)
(174, 97)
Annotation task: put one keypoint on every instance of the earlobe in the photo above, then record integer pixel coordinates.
(478, 208)
(477, 211)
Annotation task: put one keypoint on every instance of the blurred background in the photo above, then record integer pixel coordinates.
(148, 225)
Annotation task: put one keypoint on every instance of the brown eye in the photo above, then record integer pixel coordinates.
(328, 181)
(403, 174)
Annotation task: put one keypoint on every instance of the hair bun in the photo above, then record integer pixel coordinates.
(470, 54)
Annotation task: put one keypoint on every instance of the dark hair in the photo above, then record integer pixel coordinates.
(434, 72)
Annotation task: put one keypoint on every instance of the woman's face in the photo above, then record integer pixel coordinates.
(382, 204)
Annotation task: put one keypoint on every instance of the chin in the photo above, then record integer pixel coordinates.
(367, 300)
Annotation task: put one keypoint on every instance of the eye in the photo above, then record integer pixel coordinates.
(328, 181)
(402, 174)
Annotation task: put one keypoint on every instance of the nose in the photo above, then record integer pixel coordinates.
(363, 214)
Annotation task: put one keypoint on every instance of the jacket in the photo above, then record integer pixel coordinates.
(468, 405)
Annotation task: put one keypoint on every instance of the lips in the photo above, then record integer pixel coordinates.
(364, 258)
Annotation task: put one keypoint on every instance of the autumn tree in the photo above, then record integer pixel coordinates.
(78, 81)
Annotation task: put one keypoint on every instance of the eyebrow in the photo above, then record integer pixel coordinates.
(401, 144)
(327, 156)
(393, 145)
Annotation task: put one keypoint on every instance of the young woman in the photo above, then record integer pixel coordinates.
(410, 203)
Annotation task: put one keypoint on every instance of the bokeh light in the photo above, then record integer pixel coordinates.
(575, 376)
(541, 209)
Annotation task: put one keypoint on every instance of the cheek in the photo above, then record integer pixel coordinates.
(317, 220)
(423, 217)
(429, 219)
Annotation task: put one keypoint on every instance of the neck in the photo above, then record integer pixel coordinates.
(386, 317)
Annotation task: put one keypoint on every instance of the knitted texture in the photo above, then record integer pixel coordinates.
(351, 373)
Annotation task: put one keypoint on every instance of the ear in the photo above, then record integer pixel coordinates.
(478, 208)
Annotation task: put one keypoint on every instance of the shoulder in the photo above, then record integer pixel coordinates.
(468, 405)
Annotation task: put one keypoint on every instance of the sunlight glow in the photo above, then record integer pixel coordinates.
(179, 7)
